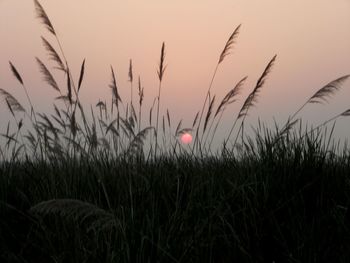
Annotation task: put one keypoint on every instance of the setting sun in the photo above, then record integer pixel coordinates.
(186, 138)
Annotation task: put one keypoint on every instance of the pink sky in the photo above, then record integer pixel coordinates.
(311, 39)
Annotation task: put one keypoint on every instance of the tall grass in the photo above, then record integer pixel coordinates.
(81, 186)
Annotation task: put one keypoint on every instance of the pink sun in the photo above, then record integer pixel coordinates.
(186, 138)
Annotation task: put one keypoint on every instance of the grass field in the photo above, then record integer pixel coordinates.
(96, 185)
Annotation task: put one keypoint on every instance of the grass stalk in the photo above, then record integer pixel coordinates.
(161, 71)
(225, 52)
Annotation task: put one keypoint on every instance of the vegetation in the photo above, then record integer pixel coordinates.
(103, 188)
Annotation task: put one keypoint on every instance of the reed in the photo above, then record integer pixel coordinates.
(229, 98)
(324, 93)
(160, 73)
(131, 80)
(225, 52)
(251, 99)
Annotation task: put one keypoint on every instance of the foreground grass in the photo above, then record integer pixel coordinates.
(285, 203)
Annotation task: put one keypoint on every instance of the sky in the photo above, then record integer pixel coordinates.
(310, 37)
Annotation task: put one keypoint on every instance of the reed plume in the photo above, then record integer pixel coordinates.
(324, 93)
(225, 52)
(81, 76)
(160, 73)
(77, 102)
(11, 101)
(20, 80)
(229, 98)
(141, 95)
(328, 90)
(113, 86)
(131, 79)
(345, 113)
(41, 14)
(47, 75)
(69, 87)
(10, 108)
(162, 67)
(209, 113)
(53, 55)
(15, 73)
(253, 96)
(136, 145)
(229, 44)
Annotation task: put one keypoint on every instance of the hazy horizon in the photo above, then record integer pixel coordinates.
(311, 40)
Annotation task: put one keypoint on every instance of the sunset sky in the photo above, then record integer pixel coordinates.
(310, 37)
